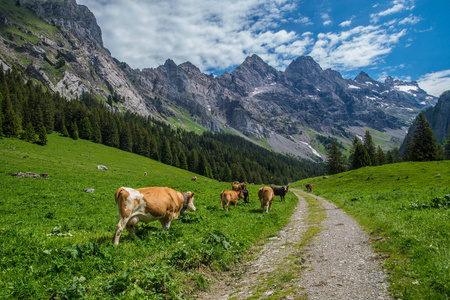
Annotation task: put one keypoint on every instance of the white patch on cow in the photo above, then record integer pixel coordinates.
(134, 194)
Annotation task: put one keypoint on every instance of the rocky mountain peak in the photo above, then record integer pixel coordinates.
(363, 77)
(77, 19)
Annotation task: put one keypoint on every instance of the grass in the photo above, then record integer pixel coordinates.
(56, 239)
(394, 203)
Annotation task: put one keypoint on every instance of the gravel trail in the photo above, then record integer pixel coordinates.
(338, 264)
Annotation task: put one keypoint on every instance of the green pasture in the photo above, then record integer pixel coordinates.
(405, 208)
(56, 239)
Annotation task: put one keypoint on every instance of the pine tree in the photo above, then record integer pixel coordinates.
(42, 136)
(335, 160)
(74, 131)
(29, 134)
(85, 129)
(360, 156)
(371, 149)
(389, 157)
(447, 147)
(407, 146)
(126, 140)
(166, 152)
(424, 146)
(381, 156)
(183, 160)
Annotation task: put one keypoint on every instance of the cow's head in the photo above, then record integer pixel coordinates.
(188, 204)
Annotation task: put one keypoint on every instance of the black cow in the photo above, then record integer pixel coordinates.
(246, 198)
(280, 191)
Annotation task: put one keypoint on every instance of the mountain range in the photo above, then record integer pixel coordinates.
(296, 111)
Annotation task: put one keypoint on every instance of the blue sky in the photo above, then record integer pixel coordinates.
(405, 39)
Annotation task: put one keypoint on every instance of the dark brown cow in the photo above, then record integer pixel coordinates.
(280, 191)
(230, 196)
(309, 187)
(148, 205)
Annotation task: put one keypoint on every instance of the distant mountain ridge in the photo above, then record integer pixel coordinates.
(284, 110)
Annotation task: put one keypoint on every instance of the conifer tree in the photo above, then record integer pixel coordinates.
(183, 160)
(370, 148)
(64, 130)
(166, 152)
(29, 134)
(389, 157)
(335, 161)
(381, 156)
(447, 147)
(74, 131)
(424, 146)
(85, 129)
(42, 135)
(126, 140)
(360, 156)
(226, 173)
(193, 161)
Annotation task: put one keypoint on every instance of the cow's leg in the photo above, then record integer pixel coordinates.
(165, 221)
(130, 226)
(235, 204)
(120, 226)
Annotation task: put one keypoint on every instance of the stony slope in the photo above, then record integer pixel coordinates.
(59, 43)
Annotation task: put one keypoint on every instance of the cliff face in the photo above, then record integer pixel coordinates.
(59, 43)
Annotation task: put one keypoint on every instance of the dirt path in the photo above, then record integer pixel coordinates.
(338, 264)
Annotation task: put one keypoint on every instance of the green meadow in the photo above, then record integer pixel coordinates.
(405, 209)
(56, 239)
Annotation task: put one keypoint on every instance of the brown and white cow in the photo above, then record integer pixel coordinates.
(148, 205)
(194, 178)
(266, 195)
(309, 187)
(227, 197)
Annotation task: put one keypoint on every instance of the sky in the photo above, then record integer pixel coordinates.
(405, 39)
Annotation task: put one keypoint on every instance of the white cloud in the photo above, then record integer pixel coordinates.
(358, 47)
(398, 6)
(210, 34)
(435, 83)
(326, 19)
(346, 23)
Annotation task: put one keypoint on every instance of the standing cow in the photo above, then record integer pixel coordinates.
(280, 191)
(309, 187)
(148, 205)
(265, 195)
(227, 197)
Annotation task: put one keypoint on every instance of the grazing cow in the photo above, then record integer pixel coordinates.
(145, 173)
(280, 191)
(230, 196)
(236, 186)
(148, 205)
(265, 195)
(309, 187)
(194, 178)
(246, 196)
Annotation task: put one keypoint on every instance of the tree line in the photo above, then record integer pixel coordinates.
(31, 112)
(421, 146)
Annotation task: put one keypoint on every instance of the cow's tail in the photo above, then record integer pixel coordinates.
(119, 190)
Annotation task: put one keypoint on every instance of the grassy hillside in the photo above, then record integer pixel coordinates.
(399, 205)
(39, 259)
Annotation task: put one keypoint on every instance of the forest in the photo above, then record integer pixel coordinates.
(31, 112)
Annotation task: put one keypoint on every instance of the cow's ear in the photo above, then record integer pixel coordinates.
(192, 195)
